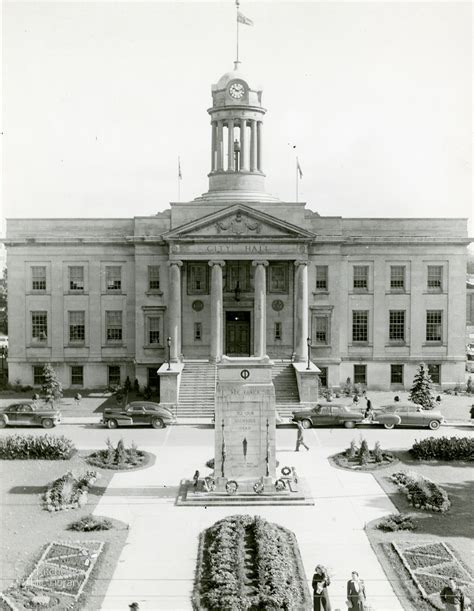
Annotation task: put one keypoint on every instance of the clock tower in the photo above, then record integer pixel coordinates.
(237, 138)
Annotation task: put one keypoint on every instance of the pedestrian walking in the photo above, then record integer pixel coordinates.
(369, 412)
(299, 436)
(320, 584)
(356, 593)
(472, 411)
(134, 607)
(452, 597)
(77, 399)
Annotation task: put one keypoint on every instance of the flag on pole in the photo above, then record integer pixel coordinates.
(180, 176)
(298, 167)
(241, 18)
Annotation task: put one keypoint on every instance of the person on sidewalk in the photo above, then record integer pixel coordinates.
(452, 597)
(356, 593)
(134, 607)
(299, 436)
(320, 584)
(369, 412)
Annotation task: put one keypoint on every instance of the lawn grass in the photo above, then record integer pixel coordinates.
(27, 527)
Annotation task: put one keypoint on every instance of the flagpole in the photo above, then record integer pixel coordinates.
(179, 178)
(237, 4)
(297, 178)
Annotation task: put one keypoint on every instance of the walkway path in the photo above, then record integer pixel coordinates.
(156, 567)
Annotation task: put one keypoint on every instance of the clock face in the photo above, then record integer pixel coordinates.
(237, 90)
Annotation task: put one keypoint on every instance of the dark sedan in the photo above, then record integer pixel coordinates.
(138, 413)
(407, 414)
(29, 412)
(328, 415)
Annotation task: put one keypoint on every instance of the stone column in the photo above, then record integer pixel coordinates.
(243, 144)
(301, 310)
(260, 305)
(259, 146)
(174, 309)
(230, 145)
(213, 145)
(216, 310)
(220, 145)
(253, 144)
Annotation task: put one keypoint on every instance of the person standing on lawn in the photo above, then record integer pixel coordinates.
(299, 436)
(356, 592)
(452, 596)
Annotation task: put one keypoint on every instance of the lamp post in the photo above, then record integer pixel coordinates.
(308, 343)
(168, 342)
(4, 354)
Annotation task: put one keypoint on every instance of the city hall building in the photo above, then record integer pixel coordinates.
(237, 272)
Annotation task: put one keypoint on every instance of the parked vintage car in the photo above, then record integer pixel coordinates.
(29, 412)
(407, 414)
(328, 415)
(138, 412)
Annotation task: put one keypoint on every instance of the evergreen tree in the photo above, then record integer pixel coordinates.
(52, 388)
(420, 391)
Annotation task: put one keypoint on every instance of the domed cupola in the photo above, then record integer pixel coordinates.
(237, 134)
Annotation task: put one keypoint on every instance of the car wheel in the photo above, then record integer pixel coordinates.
(434, 425)
(47, 423)
(3, 423)
(157, 423)
(350, 424)
(112, 424)
(389, 426)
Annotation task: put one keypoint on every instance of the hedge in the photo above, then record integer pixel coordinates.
(421, 491)
(44, 447)
(444, 448)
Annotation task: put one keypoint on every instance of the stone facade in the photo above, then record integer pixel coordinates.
(237, 272)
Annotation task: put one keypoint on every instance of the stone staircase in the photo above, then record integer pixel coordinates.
(286, 388)
(197, 390)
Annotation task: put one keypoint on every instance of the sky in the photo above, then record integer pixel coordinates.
(100, 99)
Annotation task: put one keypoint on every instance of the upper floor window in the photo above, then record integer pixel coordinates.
(434, 325)
(361, 277)
(76, 278)
(153, 277)
(198, 279)
(321, 330)
(360, 325)
(278, 281)
(396, 332)
(39, 326)
(114, 326)
(113, 278)
(154, 326)
(38, 278)
(435, 278)
(77, 326)
(237, 275)
(397, 277)
(321, 277)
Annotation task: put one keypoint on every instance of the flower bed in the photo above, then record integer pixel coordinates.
(421, 491)
(119, 458)
(28, 447)
(69, 491)
(361, 458)
(444, 448)
(248, 563)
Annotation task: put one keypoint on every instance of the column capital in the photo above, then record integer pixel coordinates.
(178, 263)
(297, 263)
(212, 263)
(264, 263)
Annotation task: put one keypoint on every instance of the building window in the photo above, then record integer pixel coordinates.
(77, 375)
(113, 278)
(435, 278)
(76, 326)
(278, 334)
(397, 277)
(39, 326)
(197, 331)
(114, 326)
(237, 273)
(396, 332)
(38, 375)
(361, 277)
(323, 377)
(360, 374)
(360, 325)
(154, 325)
(198, 278)
(278, 281)
(434, 325)
(396, 374)
(76, 278)
(153, 277)
(434, 371)
(321, 277)
(114, 375)
(321, 330)
(38, 278)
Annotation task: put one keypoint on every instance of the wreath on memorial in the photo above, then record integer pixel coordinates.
(286, 471)
(231, 487)
(258, 487)
(209, 484)
(280, 485)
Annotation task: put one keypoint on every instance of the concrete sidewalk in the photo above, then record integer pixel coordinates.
(157, 565)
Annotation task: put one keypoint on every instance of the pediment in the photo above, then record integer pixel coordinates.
(238, 221)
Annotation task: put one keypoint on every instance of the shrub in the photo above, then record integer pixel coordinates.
(421, 491)
(44, 447)
(469, 386)
(69, 491)
(377, 452)
(51, 387)
(90, 523)
(147, 393)
(347, 388)
(117, 458)
(136, 386)
(364, 454)
(420, 391)
(120, 454)
(351, 451)
(444, 448)
(396, 521)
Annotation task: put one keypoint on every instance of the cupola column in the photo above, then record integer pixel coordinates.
(243, 144)
(230, 145)
(259, 145)
(260, 308)
(220, 145)
(213, 146)
(253, 144)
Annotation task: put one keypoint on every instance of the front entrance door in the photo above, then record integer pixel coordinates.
(237, 333)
